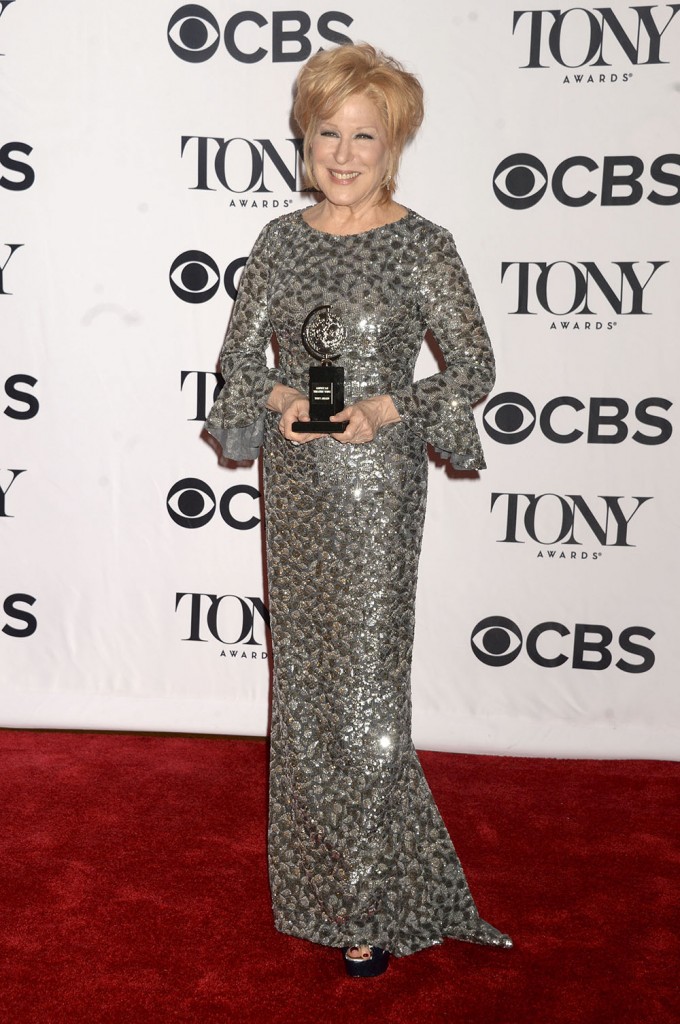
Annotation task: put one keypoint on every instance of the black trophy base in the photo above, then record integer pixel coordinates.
(319, 427)
(326, 398)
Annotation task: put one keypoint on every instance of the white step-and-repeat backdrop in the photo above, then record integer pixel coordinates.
(142, 148)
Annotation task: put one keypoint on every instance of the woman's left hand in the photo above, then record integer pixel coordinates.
(365, 418)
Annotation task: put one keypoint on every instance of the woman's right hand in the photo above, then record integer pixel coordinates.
(292, 405)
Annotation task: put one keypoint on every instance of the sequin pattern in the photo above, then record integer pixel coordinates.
(357, 849)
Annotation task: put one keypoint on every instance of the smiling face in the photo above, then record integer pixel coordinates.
(350, 155)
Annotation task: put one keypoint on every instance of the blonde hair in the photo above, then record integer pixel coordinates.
(330, 77)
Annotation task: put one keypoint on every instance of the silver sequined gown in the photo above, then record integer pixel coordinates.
(357, 849)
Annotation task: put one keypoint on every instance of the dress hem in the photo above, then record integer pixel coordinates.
(496, 939)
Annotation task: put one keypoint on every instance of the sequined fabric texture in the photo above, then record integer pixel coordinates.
(357, 849)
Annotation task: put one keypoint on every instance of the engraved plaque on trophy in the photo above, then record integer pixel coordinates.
(323, 335)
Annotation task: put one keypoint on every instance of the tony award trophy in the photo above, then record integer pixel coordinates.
(322, 335)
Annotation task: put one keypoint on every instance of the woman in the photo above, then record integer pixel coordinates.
(359, 856)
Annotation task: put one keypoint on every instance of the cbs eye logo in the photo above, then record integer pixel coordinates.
(195, 276)
(191, 503)
(194, 34)
(521, 180)
(497, 641)
(510, 418)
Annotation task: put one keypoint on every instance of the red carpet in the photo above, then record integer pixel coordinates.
(134, 889)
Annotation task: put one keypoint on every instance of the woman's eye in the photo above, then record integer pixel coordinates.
(364, 135)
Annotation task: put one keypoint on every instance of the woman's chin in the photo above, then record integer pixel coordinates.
(344, 195)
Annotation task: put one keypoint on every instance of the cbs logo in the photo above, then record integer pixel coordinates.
(195, 276)
(497, 641)
(191, 503)
(25, 622)
(521, 180)
(25, 175)
(194, 34)
(511, 417)
(23, 404)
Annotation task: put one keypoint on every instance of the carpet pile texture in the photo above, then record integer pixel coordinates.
(133, 883)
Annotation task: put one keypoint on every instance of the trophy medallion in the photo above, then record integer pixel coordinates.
(323, 335)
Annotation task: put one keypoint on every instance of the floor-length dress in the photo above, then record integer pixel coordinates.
(357, 849)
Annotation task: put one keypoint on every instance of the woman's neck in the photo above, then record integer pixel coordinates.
(345, 220)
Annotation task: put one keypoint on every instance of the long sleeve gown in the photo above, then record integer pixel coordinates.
(358, 851)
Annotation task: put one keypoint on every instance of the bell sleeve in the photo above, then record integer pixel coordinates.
(236, 419)
(439, 408)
